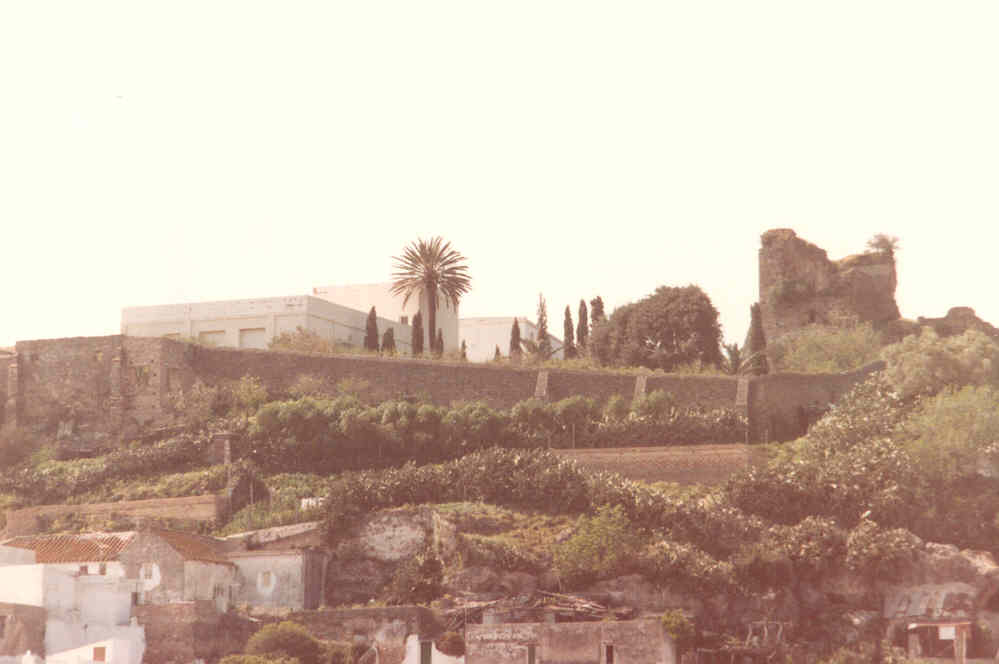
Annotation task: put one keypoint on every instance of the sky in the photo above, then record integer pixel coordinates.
(184, 151)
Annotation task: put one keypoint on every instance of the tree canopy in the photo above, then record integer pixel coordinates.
(671, 327)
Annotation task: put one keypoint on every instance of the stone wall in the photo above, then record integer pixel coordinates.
(199, 508)
(385, 627)
(577, 643)
(187, 631)
(116, 387)
(799, 285)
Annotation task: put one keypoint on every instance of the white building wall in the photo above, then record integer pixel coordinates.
(209, 581)
(253, 323)
(23, 584)
(412, 655)
(482, 335)
(126, 646)
(271, 580)
(13, 555)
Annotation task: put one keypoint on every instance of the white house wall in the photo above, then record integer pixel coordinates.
(14, 555)
(271, 580)
(209, 581)
(125, 646)
(23, 584)
(482, 335)
(436, 656)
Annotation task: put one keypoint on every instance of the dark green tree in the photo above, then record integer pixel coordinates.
(515, 339)
(431, 268)
(582, 328)
(417, 339)
(464, 351)
(439, 344)
(388, 341)
(756, 346)
(568, 344)
(497, 355)
(597, 310)
(371, 331)
(544, 343)
(673, 326)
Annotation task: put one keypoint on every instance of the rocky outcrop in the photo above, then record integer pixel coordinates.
(957, 321)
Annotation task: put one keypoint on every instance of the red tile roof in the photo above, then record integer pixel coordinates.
(194, 547)
(86, 548)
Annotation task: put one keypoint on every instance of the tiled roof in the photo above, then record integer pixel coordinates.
(86, 548)
(194, 547)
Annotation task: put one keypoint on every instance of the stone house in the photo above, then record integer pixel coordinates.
(290, 579)
(641, 641)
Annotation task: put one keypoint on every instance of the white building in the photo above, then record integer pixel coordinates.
(253, 323)
(483, 335)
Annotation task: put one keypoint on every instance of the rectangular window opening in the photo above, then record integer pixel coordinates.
(83, 569)
(100, 654)
(532, 653)
(426, 651)
(404, 320)
(103, 569)
(608, 654)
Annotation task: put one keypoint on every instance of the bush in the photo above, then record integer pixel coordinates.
(601, 547)
(451, 644)
(285, 639)
(826, 349)
(924, 364)
(679, 628)
(418, 580)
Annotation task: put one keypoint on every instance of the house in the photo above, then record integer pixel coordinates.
(641, 641)
(290, 578)
(933, 620)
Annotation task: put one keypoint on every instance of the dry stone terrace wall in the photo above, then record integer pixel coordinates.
(119, 386)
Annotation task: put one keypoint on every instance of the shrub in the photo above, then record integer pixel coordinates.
(879, 553)
(656, 406)
(308, 385)
(248, 394)
(924, 364)
(600, 547)
(418, 580)
(451, 644)
(285, 639)
(826, 349)
(679, 628)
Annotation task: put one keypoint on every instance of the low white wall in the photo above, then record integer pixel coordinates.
(436, 656)
(23, 584)
(125, 647)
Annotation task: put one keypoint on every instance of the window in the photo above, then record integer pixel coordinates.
(100, 654)
(608, 654)
(103, 569)
(147, 571)
(426, 651)
(135, 599)
(404, 320)
(532, 653)
(3, 624)
(83, 569)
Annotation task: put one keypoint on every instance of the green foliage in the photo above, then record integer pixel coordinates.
(954, 433)
(883, 244)
(568, 343)
(309, 385)
(924, 364)
(602, 546)
(248, 394)
(671, 327)
(388, 341)
(515, 339)
(656, 406)
(683, 566)
(371, 332)
(197, 404)
(416, 341)
(617, 408)
(582, 329)
(451, 644)
(756, 347)
(597, 314)
(679, 628)
(826, 349)
(790, 291)
(544, 343)
(257, 659)
(879, 553)
(439, 344)
(418, 580)
(302, 341)
(285, 639)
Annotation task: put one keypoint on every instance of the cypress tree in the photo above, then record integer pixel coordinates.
(597, 310)
(439, 345)
(757, 344)
(544, 343)
(464, 351)
(515, 339)
(371, 332)
(582, 328)
(388, 341)
(497, 356)
(417, 339)
(568, 345)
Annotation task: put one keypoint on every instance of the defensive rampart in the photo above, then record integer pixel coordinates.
(118, 386)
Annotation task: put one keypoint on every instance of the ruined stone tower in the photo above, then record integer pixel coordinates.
(799, 285)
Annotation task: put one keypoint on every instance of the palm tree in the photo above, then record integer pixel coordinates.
(433, 269)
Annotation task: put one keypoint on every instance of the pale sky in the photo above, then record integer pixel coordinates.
(153, 153)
